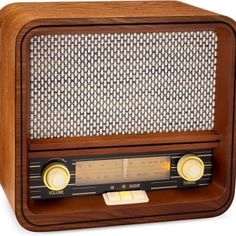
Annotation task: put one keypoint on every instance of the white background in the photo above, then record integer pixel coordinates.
(222, 225)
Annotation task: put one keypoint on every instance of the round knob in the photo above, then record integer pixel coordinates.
(190, 167)
(56, 176)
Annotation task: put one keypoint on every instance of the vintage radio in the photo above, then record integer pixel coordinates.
(116, 113)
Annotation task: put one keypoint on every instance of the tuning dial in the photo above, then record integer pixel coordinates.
(190, 167)
(56, 176)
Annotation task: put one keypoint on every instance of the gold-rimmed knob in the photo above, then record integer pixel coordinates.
(190, 167)
(56, 176)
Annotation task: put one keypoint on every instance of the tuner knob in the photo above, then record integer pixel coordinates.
(190, 167)
(56, 176)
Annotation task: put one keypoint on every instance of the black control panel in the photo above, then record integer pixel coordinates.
(86, 175)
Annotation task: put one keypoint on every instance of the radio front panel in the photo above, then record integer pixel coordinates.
(133, 82)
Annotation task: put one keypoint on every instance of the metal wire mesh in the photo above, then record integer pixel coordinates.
(122, 83)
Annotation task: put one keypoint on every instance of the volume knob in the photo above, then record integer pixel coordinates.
(190, 167)
(56, 176)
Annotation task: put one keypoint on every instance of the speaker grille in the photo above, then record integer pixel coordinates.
(122, 83)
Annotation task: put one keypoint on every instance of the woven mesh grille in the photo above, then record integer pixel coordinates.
(122, 83)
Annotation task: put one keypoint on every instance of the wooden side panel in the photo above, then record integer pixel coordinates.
(7, 115)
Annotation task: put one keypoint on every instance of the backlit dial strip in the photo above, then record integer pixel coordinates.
(122, 170)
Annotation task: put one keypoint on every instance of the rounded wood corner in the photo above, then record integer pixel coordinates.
(7, 9)
(25, 223)
(224, 206)
(228, 22)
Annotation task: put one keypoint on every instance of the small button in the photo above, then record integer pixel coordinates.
(113, 196)
(139, 195)
(126, 196)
